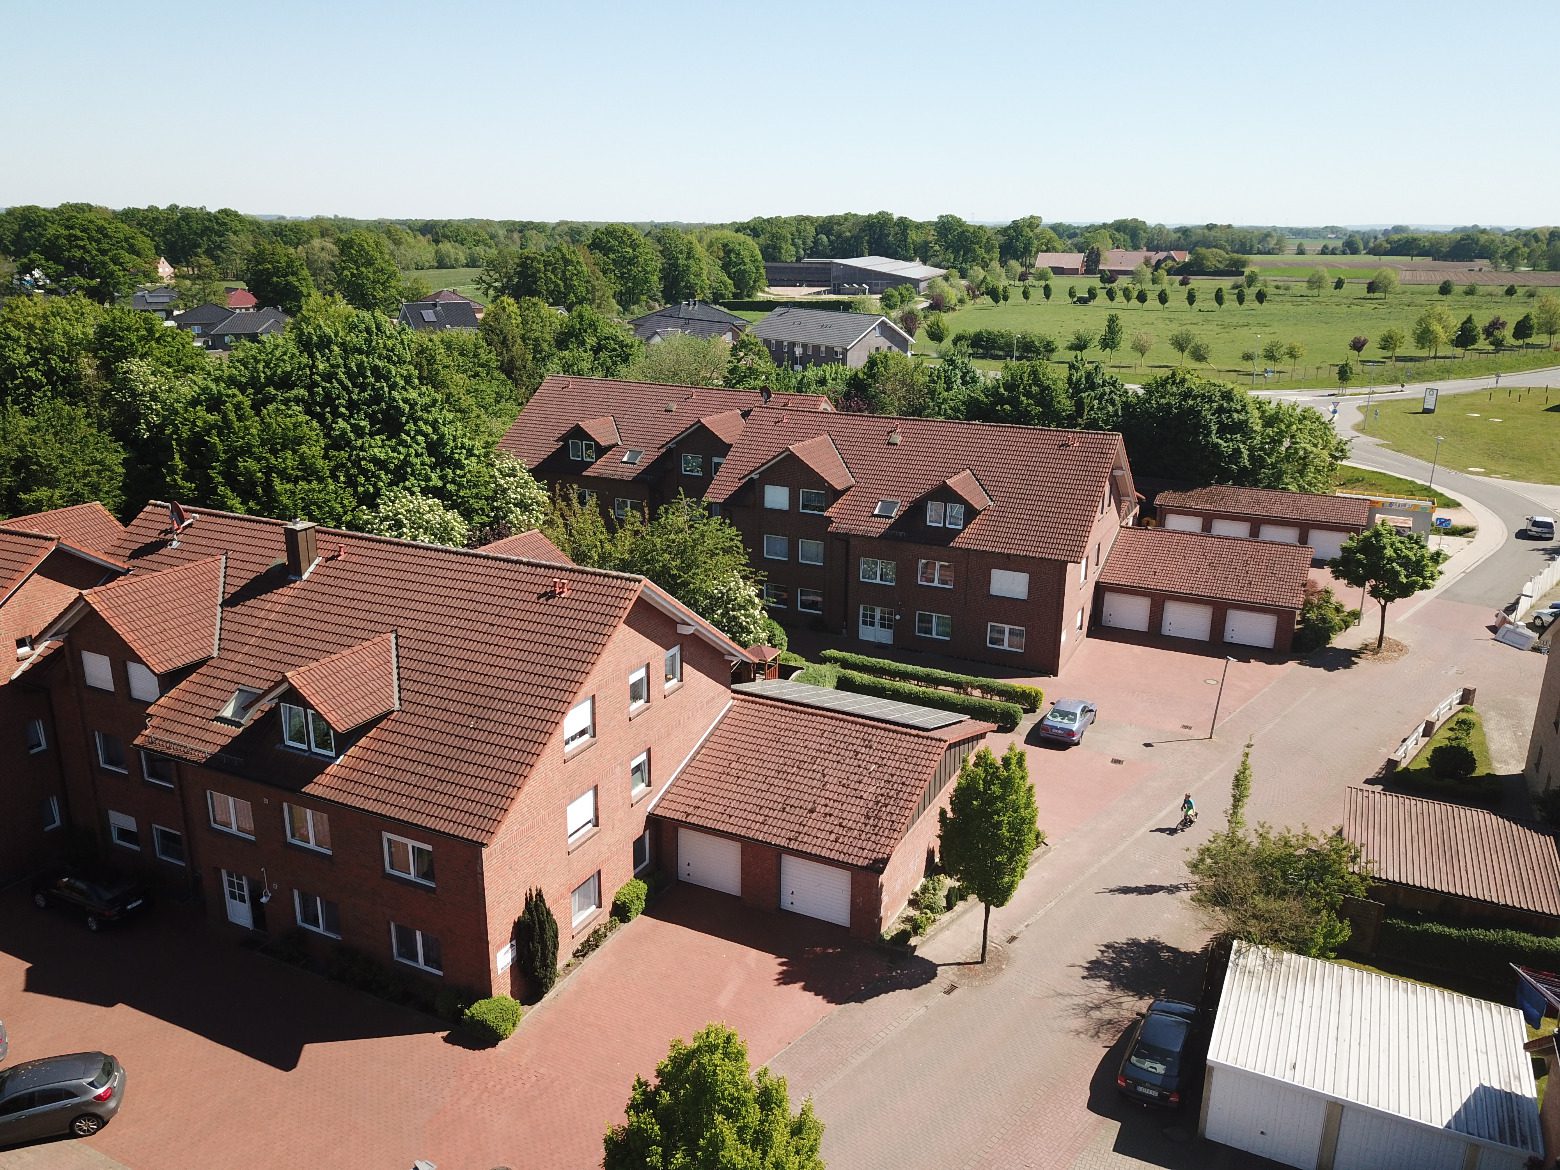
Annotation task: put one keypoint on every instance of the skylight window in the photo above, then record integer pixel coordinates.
(887, 509)
(236, 709)
(633, 455)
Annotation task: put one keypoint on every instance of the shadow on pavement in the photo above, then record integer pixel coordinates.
(1126, 973)
(170, 966)
(1331, 658)
(1151, 888)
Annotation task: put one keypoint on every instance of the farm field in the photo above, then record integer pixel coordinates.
(1508, 433)
(1321, 323)
(462, 280)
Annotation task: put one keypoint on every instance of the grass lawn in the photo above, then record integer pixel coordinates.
(1416, 779)
(462, 280)
(1365, 482)
(1509, 432)
(1321, 323)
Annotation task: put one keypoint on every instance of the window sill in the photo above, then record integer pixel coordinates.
(114, 770)
(672, 688)
(634, 712)
(168, 784)
(579, 924)
(171, 861)
(305, 847)
(38, 750)
(232, 833)
(408, 880)
(578, 749)
(934, 585)
(318, 933)
(588, 835)
(636, 796)
(412, 965)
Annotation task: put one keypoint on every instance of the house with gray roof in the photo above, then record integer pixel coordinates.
(695, 318)
(437, 316)
(858, 274)
(247, 325)
(811, 337)
(158, 301)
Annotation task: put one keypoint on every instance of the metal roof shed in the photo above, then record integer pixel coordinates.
(1326, 1067)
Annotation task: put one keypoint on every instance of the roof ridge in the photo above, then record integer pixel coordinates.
(921, 419)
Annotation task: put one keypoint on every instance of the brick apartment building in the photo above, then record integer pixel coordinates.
(972, 540)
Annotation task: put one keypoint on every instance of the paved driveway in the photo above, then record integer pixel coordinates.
(239, 1062)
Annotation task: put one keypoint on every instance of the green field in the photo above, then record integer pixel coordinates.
(1321, 323)
(1509, 433)
(1362, 481)
(462, 280)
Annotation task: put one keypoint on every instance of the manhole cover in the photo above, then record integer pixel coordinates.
(1186, 727)
(1114, 760)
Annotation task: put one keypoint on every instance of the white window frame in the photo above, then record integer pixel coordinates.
(877, 575)
(999, 636)
(821, 497)
(672, 669)
(934, 619)
(777, 497)
(633, 455)
(641, 866)
(123, 768)
(811, 592)
(1005, 583)
(934, 513)
(319, 737)
(1083, 571)
(621, 507)
(51, 813)
(582, 733)
(412, 849)
(420, 962)
(97, 670)
(143, 683)
(316, 826)
(639, 678)
(319, 912)
(146, 772)
(940, 570)
(784, 544)
(582, 450)
(639, 778)
(582, 816)
(579, 916)
(231, 805)
(953, 516)
(802, 544)
(37, 737)
(692, 464)
(122, 822)
(158, 833)
(776, 596)
(886, 509)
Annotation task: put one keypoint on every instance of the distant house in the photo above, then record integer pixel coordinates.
(695, 318)
(200, 321)
(812, 337)
(165, 271)
(157, 301)
(245, 326)
(450, 296)
(437, 316)
(1114, 262)
(241, 300)
(862, 274)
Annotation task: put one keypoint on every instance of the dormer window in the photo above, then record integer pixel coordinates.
(305, 729)
(582, 450)
(236, 709)
(954, 516)
(633, 455)
(886, 509)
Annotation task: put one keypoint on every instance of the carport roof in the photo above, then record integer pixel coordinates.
(1430, 1056)
(1352, 512)
(1216, 568)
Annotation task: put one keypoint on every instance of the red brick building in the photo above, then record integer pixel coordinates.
(1318, 521)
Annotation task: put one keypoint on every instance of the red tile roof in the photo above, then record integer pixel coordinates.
(20, 554)
(820, 454)
(241, 298)
(89, 527)
(966, 486)
(171, 619)
(832, 786)
(604, 430)
(1045, 485)
(1465, 852)
(647, 415)
(530, 546)
(354, 686)
(490, 657)
(1222, 568)
(1266, 503)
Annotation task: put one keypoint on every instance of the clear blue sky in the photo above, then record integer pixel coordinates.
(1246, 111)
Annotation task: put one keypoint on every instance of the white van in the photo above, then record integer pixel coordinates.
(1540, 528)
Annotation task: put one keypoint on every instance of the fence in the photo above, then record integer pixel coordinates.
(1427, 727)
(1536, 588)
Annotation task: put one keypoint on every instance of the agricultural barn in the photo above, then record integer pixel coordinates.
(1321, 1066)
(1321, 522)
(861, 274)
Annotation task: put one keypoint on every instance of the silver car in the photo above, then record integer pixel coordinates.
(1067, 720)
(76, 1094)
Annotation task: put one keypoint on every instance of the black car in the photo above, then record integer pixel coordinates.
(1155, 1063)
(103, 899)
(76, 1094)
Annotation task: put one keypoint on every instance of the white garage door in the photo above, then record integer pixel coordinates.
(1187, 619)
(1266, 1118)
(1287, 533)
(1390, 1143)
(814, 889)
(1183, 523)
(1326, 545)
(1241, 528)
(704, 860)
(1126, 611)
(1245, 627)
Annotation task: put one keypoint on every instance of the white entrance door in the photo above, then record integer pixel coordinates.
(1325, 545)
(1284, 533)
(1241, 528)
(1126, 611)
(814, 889)
(1246, 627)
(712, 862)
(1187, 619)
(1177, 523)
(235, 892)
(877, 623)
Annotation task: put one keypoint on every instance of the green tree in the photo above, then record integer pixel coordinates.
(1317, 281)
(1294, 351)
(1546, 316)
(1091, 260)
(54, 457)
(707, 1109)
(591, 345)
(1358, 343)
(1338, 284)
(1141, 344)
(1522, 331)
(739, 258)
(682, 360)
(1390, 341)
(1026, 393)
(1199, 352)
(1494, 333)
(277, 275)
(1045, 290)
(1240, 793)
(501, 330)
(78, 248)
(1081, 341)
(1389, 565)
(1025, 290)
(511, 500)
(1511, 290)
(685, 268)
(937, 328)
(1261, 295)
(990, 828)
(1445, 288)
(1273, 352)
(1142, 296)
(1433, 329)
(1163, 298)
(750, 367)
(1467, 335)
(411, 516)
(631, 263)
(1385, 280)
(1471, 289)
(1191, 296)
(1218, 296)
(536, 936)
(1182, 340)
(1322, 618)
(1345, 373)
(366, 275)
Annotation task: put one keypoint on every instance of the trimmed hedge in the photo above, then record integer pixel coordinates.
(1025, 697)
(493, 1019)
(1004, 715)
(1473, 950)
(629, 902)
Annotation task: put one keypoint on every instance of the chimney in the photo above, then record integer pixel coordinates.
(302, 547)
(765, 394)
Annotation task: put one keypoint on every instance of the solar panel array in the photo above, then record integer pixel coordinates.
(862, 706)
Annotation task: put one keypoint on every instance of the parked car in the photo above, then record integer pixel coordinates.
(1540, 528)
(1154, 1069)
(76, 1094)
(1545, 617)
(1067, 720)
(103, 899)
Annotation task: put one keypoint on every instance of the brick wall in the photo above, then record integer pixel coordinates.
(915, 855)
(32, 781)
(1284, 631)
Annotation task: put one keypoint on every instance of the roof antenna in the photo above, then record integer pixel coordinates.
(178, 521)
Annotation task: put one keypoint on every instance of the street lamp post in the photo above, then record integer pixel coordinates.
(1434, 463)
(1256, 352)
(1219, 698)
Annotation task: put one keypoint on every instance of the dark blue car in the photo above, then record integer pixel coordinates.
(1155, 1063)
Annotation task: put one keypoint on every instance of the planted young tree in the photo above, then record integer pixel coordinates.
(1389, 565)
(708, 1108)
(1045, 290)
(1471, 289)
(1218, 296)
(1338, 285)
(1240, 295)
(1081, 341)
(1511, 290)
(1141, 344)
(1261, 295)
(1191, 296)
(536, 932)
(1390, 341)
(1433, 329)
(990, 829)
(1546, 316)
(1444, 288)
(1385, 280)
(1345, 373)
(1467, 335)
(1164, 298)
(1317, 281)
(1182, 340)
(1494, 332)
(1025, 290)
(937, 328)
(1142, 296)
(1110, 340)
(1358, 343)
(1294, 351)
(1273, 352)
(1240, 793)
(1200, 352)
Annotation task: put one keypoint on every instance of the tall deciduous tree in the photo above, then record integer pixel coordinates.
(1317, 281)
(707, 1109)
(1182, 340)
(366, 275)
(1110, 340)
(78, 248)
(1467, 335)
(990, 828)
(631, 263)
(738, 257)
(277, 275)
(1390, 341)
(1141, 344)
(1389, 565)
(1433, 329)
(1546, 316)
